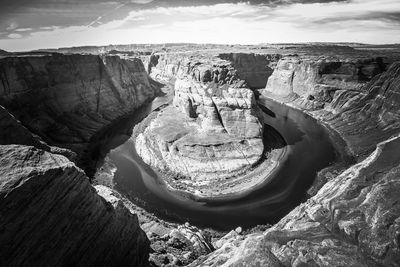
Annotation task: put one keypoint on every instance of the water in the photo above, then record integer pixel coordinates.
(309, 150)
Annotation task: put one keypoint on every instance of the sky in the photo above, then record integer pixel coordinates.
(33, 24)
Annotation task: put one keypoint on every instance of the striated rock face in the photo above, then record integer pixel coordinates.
(50, 215)
(370, 116)
(315, 81)
(255, 69)
(249, 69)
(198, 67)
(66, 99)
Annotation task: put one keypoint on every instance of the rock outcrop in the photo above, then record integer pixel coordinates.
(50, 215)
(66, 99)
(171, 244)
(250, 69)
(352, 221)
(313, 82)
(349, 96)
(255, 69)
(367, 117)
(212, 131)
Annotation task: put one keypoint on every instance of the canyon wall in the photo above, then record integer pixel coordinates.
(66, 99)
(255, 69)
(50, 215)
(251, 70)
(347, 95)
(315, 81)
(51, 107)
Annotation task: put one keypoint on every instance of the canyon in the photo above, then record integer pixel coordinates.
(205, 138)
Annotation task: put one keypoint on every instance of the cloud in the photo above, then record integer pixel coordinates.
(141, 1)
(14, 36)
(12, 26)
(23, 29)
(368, 21)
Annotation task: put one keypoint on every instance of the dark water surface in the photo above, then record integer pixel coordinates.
(309, 150)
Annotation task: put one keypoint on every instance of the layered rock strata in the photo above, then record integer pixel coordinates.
(250, 69)
(313, 82)
(66, 99)
(360, 105)
(50, 215)
(255, 69)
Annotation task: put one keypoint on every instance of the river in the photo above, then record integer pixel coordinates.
(309, 150)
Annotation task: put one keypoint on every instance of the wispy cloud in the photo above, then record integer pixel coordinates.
(368, 21)
(14, 36)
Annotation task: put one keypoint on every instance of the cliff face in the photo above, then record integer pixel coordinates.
(255, 69)
(50, 215)
(313, 82)
(251, 70)
(347, 95)
(66, 99)
(369, 117)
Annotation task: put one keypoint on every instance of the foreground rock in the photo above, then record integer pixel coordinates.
(171, 244)
(51, 215)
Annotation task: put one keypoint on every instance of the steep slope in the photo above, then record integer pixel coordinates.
(66, 99)
(313, 82)
(50, 215)
(255, 69)
(371, 116)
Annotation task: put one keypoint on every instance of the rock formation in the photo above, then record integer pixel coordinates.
(255, 69)
(66, 99)
(315, 81)
(51, 215)
(212, 131)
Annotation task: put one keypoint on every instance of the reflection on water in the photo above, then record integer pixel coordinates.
(309, 150)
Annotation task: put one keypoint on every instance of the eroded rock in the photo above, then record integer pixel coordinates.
(51, 215)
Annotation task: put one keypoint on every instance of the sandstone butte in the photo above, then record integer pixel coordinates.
(53, 105)
(211, 135)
